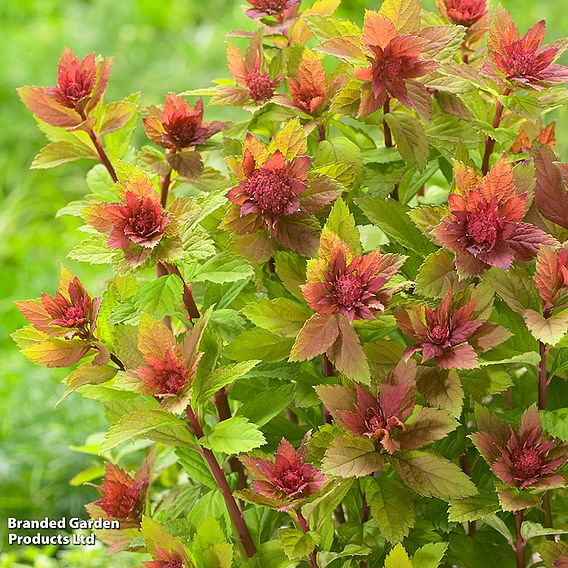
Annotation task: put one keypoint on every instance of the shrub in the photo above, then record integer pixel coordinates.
(338, 347)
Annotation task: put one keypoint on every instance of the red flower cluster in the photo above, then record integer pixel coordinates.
(283, 11)
(270, 189)
(254, 82)
(452, 337)
(166, 559)
(376, 417)
(522, 458)
(122, 497)
(352, 286)
(484, 227)
(463, 12)
(80, 86)
(137, 224)
(286, 481)
(521, 60)
(70, 313)
(393, 61)
(179, 126)
(170, 367)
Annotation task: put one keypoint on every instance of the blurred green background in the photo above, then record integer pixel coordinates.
(158, 46)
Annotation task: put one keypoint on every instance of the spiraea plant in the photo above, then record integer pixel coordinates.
(334, 333)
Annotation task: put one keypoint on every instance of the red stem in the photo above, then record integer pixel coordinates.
(103, 158)
(304, 525)
(386, 128)
(234, 511)
(542, 377)
(520, 541)
(490, 142)
(224, 412)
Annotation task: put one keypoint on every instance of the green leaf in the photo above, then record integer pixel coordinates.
(195, 466)
(281, 316)
(87, 374)
(431, 475)
(224, 267)
(204, 389)
(436, 275)
(56, 153)
(291, 140)
(393, 219)
(404, 14)
(291, 269)
(441, 388)
(512, 499)
(550, 330)
(351, 456)
(473, 508)
(296, 544)
(328, 27)
(397, 558)
(316, 337)
(233, 436)
(555, 422)
(514, 287)
(267, 404)
(94, 251)
(430, 555)
(156, 425)
(342, 223)
(532, 530)
(259, 344)
(392, 507)
(410, 138)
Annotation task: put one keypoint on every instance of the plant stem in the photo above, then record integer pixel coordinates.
(188, 301)
(117, 361)
(103, 157)
(165, 188)
(542, 399)
(490, 142)
(364, 518)
(322, 134)
(466, 468)
(234, 511)
(542, 378)
(328, 371)
(305, 529)
(224, 412)
(386, 127)
(520, 541)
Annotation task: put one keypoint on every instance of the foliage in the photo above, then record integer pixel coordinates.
(297, 273)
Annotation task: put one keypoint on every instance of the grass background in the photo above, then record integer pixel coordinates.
(170, 45)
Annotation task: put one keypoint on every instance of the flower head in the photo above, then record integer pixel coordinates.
(255, 84)
(353, 286)
(451, 336)
(484, 227)
(287, 479)
(523, 458)
(520, 60)
(70, 313)
(137, 223)
(80, 86)
(122, 497)
(393, 60)
(278, 14)
(309, 90)
(270, 188)
(169, 367)
(168, 559)
(463, 12)
(179, 126)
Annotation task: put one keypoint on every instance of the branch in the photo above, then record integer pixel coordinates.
(103, 157)
(234, 511)
(520, 542)
(305, 528)
(490, 142)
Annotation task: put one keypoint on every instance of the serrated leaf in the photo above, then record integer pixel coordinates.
(555, 422)
(267, 404)
(260, 344)
(436, 275)
(404, 14)
(398, 558)
(430, 555)
(56, 153)
(233, 436)
(156, 425)
(281, 316)
(392, 507)
(205, 388)
(473, 508)
(514, 287)
(550, 330)
(222, 268)
(296, 544)
(351, 456)
(410, 138)
(342, 223)
(291, 140)
(431, 475)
